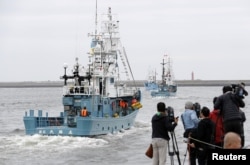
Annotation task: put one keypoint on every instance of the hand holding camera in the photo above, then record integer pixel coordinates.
(176, 119)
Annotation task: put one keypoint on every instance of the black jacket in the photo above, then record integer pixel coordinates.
(161, 125)
(229, 104)
(205, 133)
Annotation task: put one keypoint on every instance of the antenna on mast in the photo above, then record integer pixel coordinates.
(95, 18)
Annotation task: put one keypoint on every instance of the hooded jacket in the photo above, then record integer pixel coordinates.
(161, 125)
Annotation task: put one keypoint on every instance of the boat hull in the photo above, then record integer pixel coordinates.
(150, 86)
(84, 126)
(165, 91)
(162, 94)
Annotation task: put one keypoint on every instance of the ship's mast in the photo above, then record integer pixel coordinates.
(163, 71)
(95, 19)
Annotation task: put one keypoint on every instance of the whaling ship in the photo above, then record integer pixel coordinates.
(95, 101)
(168, 86)
(151, 82)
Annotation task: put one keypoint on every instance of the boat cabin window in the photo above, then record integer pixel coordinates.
(112, 80)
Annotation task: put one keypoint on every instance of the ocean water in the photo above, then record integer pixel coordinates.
(126, 148)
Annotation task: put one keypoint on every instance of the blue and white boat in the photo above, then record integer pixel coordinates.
(168, 86)
(151, 82)
(95, 101)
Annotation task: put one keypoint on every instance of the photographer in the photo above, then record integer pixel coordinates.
(229, 103)
(204, 136)
(190, 122)
(189, 118)
(161, 125)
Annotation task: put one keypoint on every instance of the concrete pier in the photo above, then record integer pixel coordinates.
(137, 83)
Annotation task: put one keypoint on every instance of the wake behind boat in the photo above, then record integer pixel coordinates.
(167, 87)
(95, 101)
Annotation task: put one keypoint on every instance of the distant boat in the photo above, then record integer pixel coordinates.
(168, 86)
(95, 102)
(151, 82)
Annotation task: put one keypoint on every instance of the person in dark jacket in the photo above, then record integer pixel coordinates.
(229, 104)
(161, 125)
(204, 137)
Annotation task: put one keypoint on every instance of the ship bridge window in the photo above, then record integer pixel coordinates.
(112, 80)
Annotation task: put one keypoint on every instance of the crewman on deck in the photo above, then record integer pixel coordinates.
(122, 104)
(84, 112)
(133, 100)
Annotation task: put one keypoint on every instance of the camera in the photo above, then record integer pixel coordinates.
(239, 90)
(170, 113)
(197, 109)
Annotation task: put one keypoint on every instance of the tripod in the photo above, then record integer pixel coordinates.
(174, 150)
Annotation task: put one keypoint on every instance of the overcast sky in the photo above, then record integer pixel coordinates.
(208, 37)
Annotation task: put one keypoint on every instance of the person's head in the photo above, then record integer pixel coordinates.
(227, 88)
(161, 107)
(232, 140)
(189, 105)
(205, 112)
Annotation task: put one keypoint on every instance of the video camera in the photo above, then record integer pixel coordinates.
(170, 113)
(239, 90)
(197, 109)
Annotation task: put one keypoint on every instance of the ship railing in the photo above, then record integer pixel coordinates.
(126, 90)
(49, 121)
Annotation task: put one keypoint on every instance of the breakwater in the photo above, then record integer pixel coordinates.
(137, 83)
